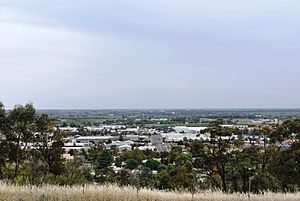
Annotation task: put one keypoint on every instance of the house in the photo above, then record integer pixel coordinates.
(94, 139)
(185, 129)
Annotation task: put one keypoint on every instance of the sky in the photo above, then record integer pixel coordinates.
(139, 54)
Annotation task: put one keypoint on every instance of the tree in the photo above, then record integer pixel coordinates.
(152, 164)
(214, 155)
(49, 144)
(285, 166)
(183, 179)
(289, 129)
(164, 180)
(174, 153)
(104, 159)
(131, 164)
(135, 154)
(243, 167)
(2, 118)
(3, 144)
(101, 160)
(22, 124)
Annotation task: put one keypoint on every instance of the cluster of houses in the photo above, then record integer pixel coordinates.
(124, 138)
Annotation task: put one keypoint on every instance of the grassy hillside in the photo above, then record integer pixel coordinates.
(114, 193)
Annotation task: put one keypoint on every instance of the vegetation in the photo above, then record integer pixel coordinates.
(165, 118)
(32, 147)
(111, 192)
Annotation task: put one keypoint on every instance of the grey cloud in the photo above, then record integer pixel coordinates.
(150, 54)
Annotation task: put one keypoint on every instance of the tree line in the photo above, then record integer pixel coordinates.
(31, 152)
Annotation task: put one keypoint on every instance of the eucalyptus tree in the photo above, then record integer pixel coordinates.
(3, 152)
(212, 156)
(20, 132)
(49, 144)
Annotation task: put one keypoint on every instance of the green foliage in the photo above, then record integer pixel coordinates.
(104, 159)
(131, 164)
(31, 150)
(287, 130)
(152, 164)
(164, 180)
(182, 178)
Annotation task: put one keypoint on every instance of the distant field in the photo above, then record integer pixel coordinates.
(175, 116)
(114, 193)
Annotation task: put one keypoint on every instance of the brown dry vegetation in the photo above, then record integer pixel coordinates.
(114, 193)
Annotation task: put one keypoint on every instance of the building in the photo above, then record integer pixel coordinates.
(95, 139)
(185, 129)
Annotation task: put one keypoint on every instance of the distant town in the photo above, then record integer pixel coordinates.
(228, 150)
(160, 138)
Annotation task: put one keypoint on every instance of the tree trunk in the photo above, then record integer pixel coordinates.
(223, 177)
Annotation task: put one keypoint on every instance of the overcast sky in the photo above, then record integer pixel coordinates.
(76, 54)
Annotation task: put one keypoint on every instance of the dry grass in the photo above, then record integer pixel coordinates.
(114, 193)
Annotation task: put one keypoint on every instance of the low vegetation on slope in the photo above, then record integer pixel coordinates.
(115, 193)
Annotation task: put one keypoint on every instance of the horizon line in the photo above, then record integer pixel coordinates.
(204, 108)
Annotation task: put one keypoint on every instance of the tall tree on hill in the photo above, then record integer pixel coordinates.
(22, 127)
(285, 166)
(101, 159)
(3, 152)
(2, 117)
(244, 165)
(214, 155)
(49, 144)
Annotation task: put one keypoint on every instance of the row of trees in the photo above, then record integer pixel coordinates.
(30, 146)
(31, 150)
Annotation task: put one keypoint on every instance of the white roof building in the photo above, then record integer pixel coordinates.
(146, 147)
(185, 129)
(94, 139)
(176, 137)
